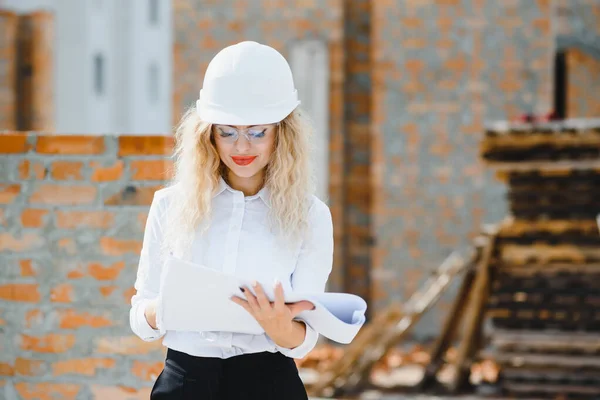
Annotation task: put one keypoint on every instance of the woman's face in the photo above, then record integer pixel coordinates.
(245, 150)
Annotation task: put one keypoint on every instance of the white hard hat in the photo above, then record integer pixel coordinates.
(247, 84)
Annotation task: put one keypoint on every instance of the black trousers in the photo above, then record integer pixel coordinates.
(259, 376)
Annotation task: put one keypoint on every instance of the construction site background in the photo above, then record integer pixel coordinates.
(410, 85)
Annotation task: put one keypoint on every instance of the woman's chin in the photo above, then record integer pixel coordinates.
(247, 171)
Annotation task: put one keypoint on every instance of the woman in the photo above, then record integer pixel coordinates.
(240, 203)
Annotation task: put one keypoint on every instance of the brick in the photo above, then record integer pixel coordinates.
(33, 318)
(64, 144)
(151, 170)
(126, 345)
(142, 218)
(106, 291)
(26, 242)
(47, 391)
(51, 343)
(117, 247)
(82, 366)
(133, 196)
(62, 293)
(33, 218)
(67, 170)
(106, 174)
(8, 193)
(6, 369)
(70, 319)
(22, 292)
(2, 217)
(84, 219)
(13, 143)
(128, 294)
(101, 273)
(145, 145)
(26, 367)
(147, 371)
(31, 170)
(27, 268)
(100, 392)
(75, 274)
(63, 195)
(67, 245)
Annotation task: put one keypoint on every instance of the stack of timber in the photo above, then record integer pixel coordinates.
(351, 373)
(544, 300)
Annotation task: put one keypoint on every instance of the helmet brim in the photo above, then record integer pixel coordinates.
(246, 116)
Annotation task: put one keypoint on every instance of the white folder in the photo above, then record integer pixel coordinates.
(195, 298)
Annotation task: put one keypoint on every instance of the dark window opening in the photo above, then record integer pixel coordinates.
(153, 11)
(99, 74)
(560, 85)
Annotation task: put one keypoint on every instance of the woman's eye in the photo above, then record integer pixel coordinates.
(258, 134)
(225, 134)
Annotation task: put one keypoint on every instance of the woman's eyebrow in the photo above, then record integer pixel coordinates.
(249, 126)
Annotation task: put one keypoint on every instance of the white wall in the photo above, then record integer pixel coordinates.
(149, 70)
(136, 95)
(310, 65)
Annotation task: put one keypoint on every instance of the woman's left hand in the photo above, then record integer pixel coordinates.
(276, 318)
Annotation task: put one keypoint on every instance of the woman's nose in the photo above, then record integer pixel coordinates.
(242, 144)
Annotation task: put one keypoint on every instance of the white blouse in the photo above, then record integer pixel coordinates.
(239, 242)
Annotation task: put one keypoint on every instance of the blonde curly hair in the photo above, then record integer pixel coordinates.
(198, 169)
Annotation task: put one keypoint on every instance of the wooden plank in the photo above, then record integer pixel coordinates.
(451, 325)
(506, 142)
(527, 270)
(547, 341)
(520, 129)
(550, 389)
(368, 334)
(546, 165)
(511, 226)
(474, 318)
(545, 254)
(419, 303)
(452, 322)
(523, 360)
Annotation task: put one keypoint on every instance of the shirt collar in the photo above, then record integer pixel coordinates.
(263, 193)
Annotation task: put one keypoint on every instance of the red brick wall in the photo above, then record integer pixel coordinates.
(439, 70)
(583, 84)
(578, 18)
(72, 214)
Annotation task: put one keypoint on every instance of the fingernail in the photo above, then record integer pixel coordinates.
(254, 283)
(241, 288)
(276, 282)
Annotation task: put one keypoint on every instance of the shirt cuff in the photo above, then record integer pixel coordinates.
(144, 330)
(301, 351)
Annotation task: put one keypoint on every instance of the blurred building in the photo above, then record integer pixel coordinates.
(398, 90)
(111, 64)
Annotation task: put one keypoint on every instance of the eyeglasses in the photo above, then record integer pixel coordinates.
(254, 134)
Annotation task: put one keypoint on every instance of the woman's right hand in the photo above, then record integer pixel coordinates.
(150, 314)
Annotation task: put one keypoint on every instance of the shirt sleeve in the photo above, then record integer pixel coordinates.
(148, 275)
(313, 268)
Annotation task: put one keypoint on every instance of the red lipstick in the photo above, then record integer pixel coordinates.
(243, 160)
